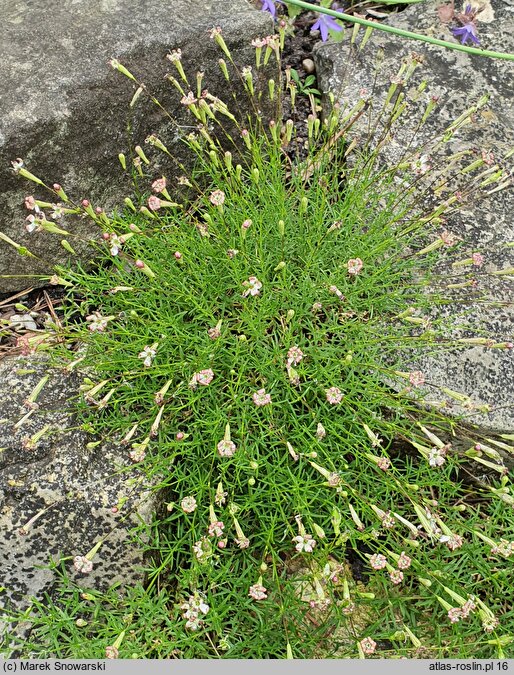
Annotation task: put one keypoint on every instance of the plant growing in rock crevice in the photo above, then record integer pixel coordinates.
(248, 348)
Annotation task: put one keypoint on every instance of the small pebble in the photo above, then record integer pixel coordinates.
(22, 322)
(309, 66)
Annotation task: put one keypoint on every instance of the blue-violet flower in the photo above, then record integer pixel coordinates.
(324, 24)
(467, 32)
(269, 6)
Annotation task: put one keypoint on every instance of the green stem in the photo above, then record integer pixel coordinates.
(400, 32)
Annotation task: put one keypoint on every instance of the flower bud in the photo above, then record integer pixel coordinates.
(224, 69)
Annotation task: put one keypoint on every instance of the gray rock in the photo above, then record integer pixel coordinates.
(65, 111)
(59, 497)
(459, 80)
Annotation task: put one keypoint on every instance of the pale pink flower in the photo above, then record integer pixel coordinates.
(448, 238)
(490, 623)
(202, 548)
(388, 521)
(216, 529)
(242, 542)
(217, 198)
(383, 463)
(455, 614)
(115, 243)
(396, 576)
(175, 56)
(214, 333)
(188, 504)
(154, 203)
(504, 548)
(294, 355)
(189, 99)
(354, 266)
(17, 164)
(317, 307)
(436, 457)
(272, 41)
(334, 395)
(221, 495)
(417, 378)
(259, 43)
(97, 322)
(468, 607)
(305, 543)
(111, 652)
(30, 203)
(404, 562)
(203, 229)
(488, 157)
(454, 542)
(148, 355)
(478, 259)
(32, 225)
(421, 165)
(368, 645)
(159, 185)
(178, 255)
(378, 561)
(232, 252)
(82, 564)
(193, 609)
(58, 211)
(214, 32)
(333, 289)
(203, 377)
(253, 287)
(261, 398)
(194, 623)
(246, 224)
(258, 592)
(226, 448)
(137, 454)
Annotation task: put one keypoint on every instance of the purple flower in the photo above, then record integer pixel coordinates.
(466, 32)
(468, 29)
(269, 6)
(324, 24)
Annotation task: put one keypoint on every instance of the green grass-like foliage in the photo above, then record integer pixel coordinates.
(298, 466)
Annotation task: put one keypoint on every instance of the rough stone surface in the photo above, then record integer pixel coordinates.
(459, 79)
(57, 497)
(64, 110)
